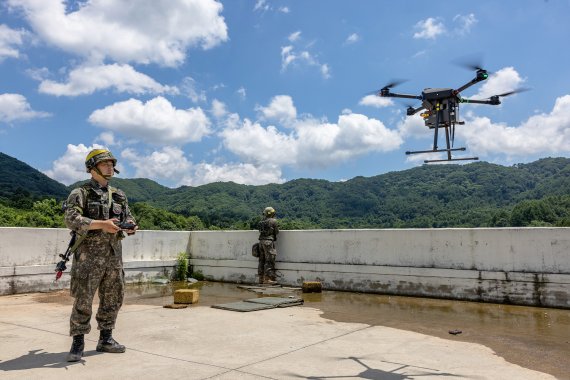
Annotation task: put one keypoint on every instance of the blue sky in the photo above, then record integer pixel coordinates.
(188, 92)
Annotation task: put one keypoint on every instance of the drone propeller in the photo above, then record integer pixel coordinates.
(394, 83)
(515, 91)
(472, 62)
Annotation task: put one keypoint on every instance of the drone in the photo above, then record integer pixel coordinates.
(441, 107)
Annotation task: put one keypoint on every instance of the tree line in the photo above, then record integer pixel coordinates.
(442, 196)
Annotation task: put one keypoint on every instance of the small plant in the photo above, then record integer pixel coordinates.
(182, 266)
(198, 275)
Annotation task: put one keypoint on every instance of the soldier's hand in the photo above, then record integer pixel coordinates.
(109, 226)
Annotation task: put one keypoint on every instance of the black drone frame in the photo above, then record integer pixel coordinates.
(442, 108)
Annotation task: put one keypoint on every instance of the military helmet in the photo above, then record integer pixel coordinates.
(96, 156)
(269, 211)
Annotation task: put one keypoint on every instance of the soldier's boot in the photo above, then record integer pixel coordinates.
(77, 347)
(108, 344)
(261, 279)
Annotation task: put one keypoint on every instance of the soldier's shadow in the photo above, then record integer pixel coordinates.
(41, 359)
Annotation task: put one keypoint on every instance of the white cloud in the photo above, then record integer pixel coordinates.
(261, 6)
(429, 29)
(241, 92)
(86, 80)
(15, 107)
(290, 57)
(259, 145)
(353, 135)
(294, 36)
(502, 81)
(540, 134)
(70, 167)
(353, 38)
(10, 39)
(284, 10)
(155, 122)
(246, 174)
(376, 101)
(465, 23)
(168, 163)
(281, 109)
(413, 126)
(219, 109)
(311, 142)
(142, 31)
(190, 88)
(107, 138)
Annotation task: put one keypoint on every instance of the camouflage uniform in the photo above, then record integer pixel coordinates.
(98, 263)
(268, 231)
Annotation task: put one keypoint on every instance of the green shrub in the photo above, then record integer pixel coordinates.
(182, 266)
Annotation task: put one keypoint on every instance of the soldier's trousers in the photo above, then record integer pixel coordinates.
(92, 271)
(267, 255)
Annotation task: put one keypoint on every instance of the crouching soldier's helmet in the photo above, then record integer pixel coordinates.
(99, 155)
(269, 212)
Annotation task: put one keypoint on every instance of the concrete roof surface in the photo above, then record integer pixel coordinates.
(201, 342)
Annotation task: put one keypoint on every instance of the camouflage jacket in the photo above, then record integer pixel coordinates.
(268, 229)
(92, 202)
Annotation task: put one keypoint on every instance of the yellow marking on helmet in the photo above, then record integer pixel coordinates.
(95, 152)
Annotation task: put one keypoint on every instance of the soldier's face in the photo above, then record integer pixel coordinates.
(106, 167)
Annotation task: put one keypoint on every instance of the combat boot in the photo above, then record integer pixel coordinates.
(261, 279)
(77, 347)
(108, 344)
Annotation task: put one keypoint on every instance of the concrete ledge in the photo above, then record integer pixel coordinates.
(527, 266)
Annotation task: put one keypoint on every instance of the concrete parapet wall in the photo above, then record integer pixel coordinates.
(28, 257)
(527, 266)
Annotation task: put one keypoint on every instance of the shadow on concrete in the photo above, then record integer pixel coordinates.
(378, 374)
(41, 359)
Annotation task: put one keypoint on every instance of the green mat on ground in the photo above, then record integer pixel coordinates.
(277, 301)
(263, 303)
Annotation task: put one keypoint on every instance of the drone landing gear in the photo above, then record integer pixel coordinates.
(444, 150)
(453, 159)
(433, 150)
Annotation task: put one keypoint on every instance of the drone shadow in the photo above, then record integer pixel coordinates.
(41, 359)
(397, 373)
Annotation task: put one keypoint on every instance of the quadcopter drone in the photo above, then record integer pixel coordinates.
(441, 107)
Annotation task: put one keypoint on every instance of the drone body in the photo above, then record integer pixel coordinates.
(441, 107)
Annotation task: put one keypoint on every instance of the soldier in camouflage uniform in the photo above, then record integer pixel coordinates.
(268, 231)
(93, 210)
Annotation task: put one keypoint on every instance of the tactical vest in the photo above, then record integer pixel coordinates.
(99, 207)
(267, 229)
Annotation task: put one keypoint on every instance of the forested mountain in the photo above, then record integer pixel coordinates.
(137, 189)
(472, 195)
(427, 196)
(20, 183)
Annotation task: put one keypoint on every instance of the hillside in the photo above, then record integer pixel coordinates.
(472, 195)
(426, 196)
(137, 189)
(19, 180)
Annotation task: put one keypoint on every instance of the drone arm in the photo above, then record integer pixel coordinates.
(467, 85)
(481, 76)
(412, 111)
(405, 96)
(494, 101)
